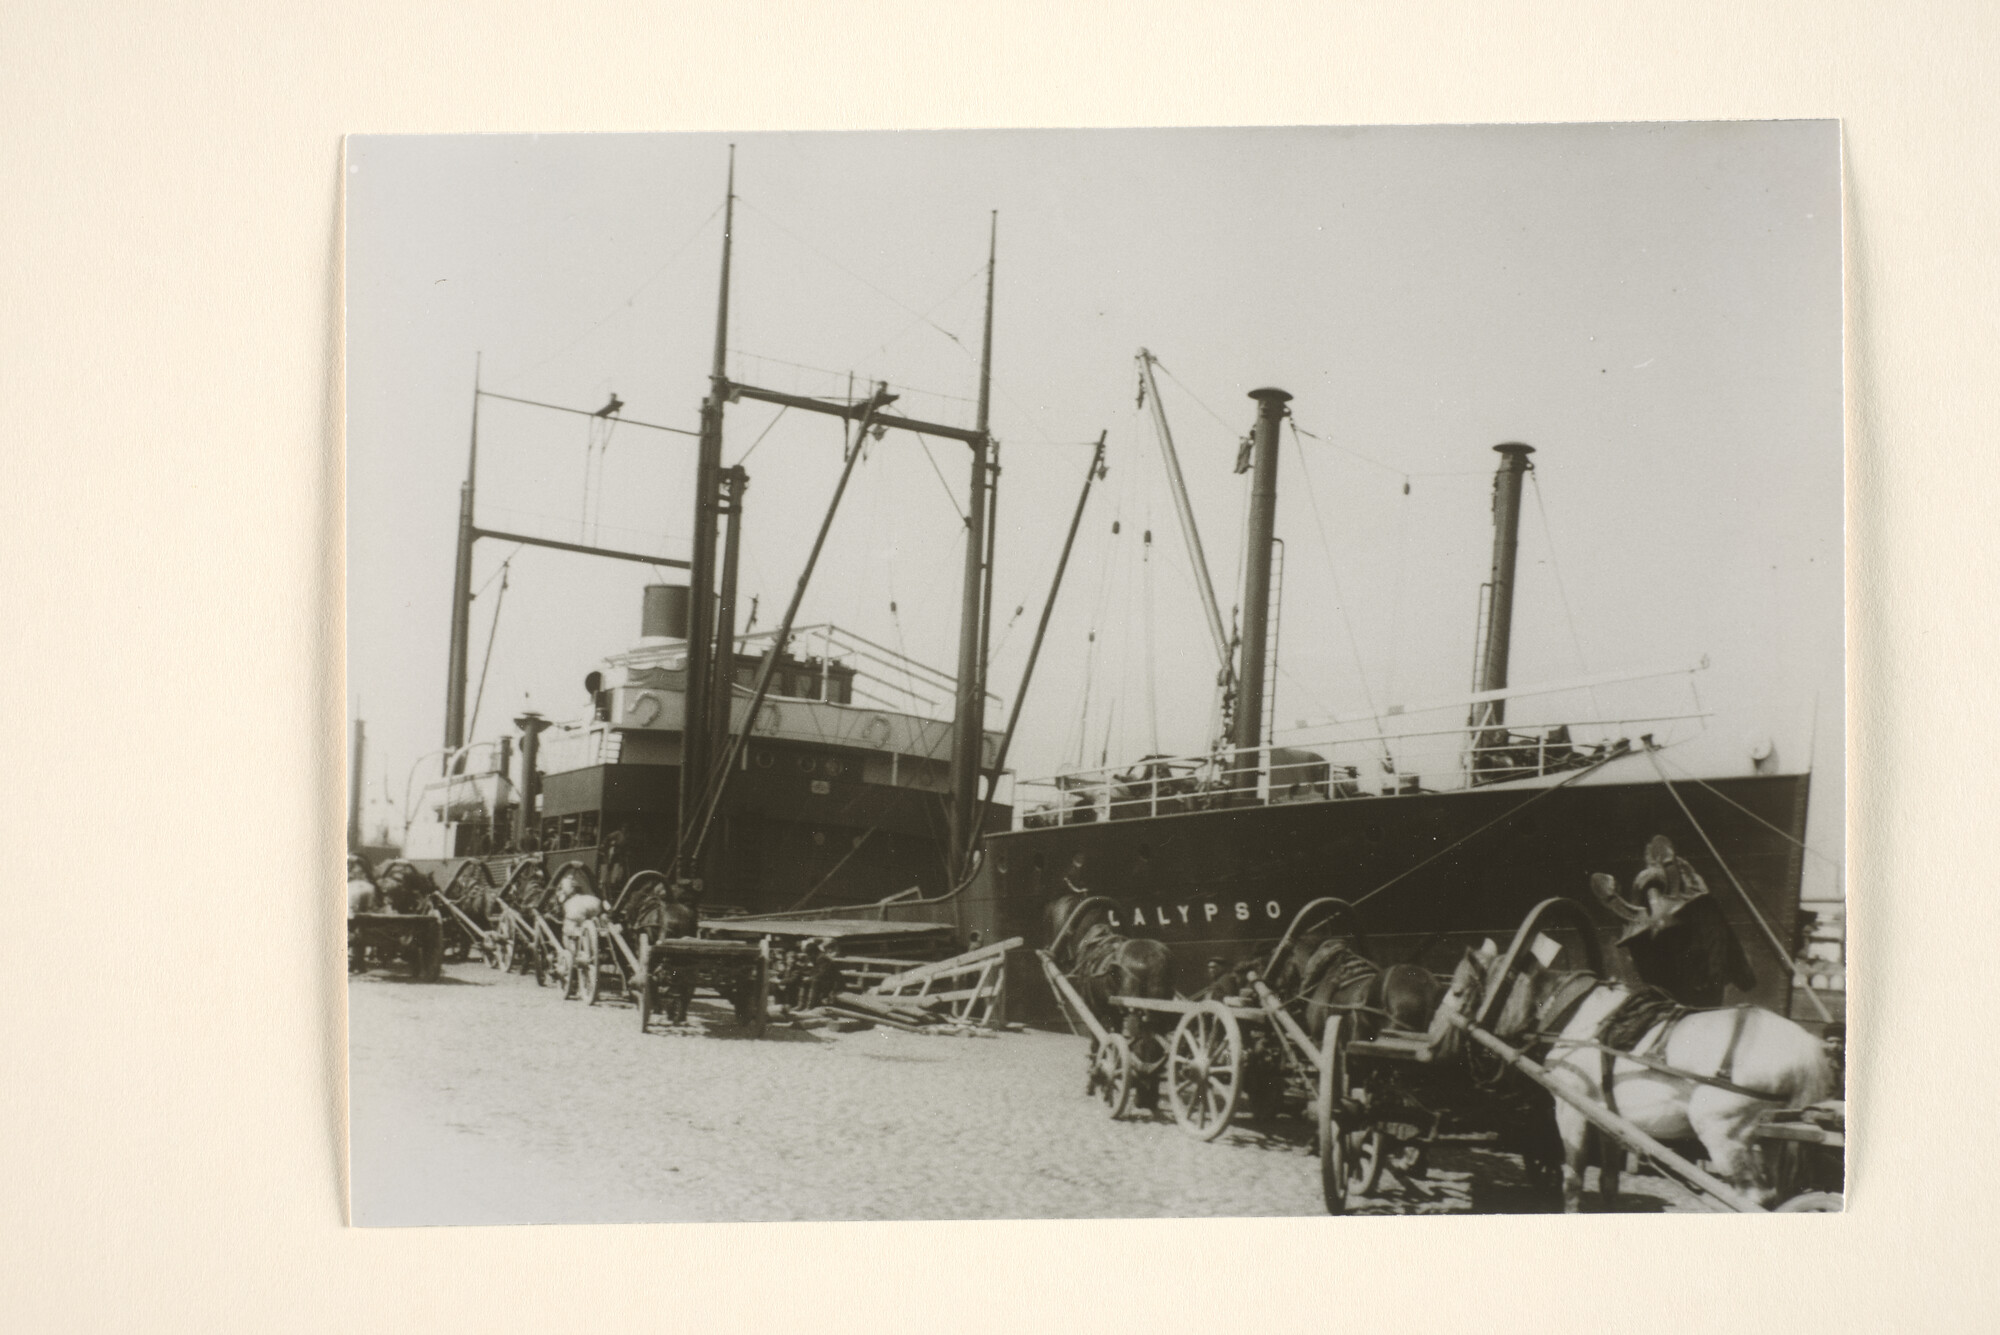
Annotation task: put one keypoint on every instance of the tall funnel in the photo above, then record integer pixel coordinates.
(663, 613)
(1492, 662)
(526, 821)
(1249, 728)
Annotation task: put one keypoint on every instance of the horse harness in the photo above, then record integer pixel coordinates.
(1097, 951)
(1618, 1034)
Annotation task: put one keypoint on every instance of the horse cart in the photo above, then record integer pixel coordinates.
(1094, 972)
(1114, 1071)
(461, 906)
(667, 973)
(601, 950)
(492, 919)
(1519, 1007)
(395, 918)
(1249, 1050)
(415, 938)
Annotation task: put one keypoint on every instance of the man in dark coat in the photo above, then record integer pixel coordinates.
(1676, 935)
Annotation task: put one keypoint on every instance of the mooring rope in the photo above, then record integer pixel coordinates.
(1784, 952)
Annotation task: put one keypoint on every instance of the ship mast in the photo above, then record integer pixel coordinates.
(1497, 634)
(710, 664)
(969, 716)
(1249, 716)
(1199, 559)
(697, 728)
(734, 480)
(461, 595)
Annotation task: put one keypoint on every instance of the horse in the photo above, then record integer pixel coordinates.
(1327, 970)
(360, 886)
(1104, 964)
(474, 895)
(659, 909)
(360, 899)
(1324, 973)
(404, 889)
(1714, 1075)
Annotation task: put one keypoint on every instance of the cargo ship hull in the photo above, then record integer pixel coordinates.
(1431, 872)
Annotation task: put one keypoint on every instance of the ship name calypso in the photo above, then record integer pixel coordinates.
(1197, 914)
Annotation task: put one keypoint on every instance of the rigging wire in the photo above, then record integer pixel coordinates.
(867, 283)
(1191, 394)
(1333, 574)
(1152, 654)
(925, 443)
(1113, 714)
(1082, 732)
(1548, 538)
(596, 443)
(782, 410)
(492, 634)
(744, 354)
(925, 317)
(1500, 819)
(693, 237)
(1331, 443)
(518, 548)
(1785, 834)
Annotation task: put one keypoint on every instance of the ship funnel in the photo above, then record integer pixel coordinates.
(1261, 459)
(1497, 634)
(663, 614)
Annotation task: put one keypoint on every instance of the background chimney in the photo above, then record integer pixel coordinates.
(663, 615)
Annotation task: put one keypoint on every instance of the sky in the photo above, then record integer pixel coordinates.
(1655, 308)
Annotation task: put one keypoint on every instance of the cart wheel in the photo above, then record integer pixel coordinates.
(645, 981)
(759, 991)
(540, 960)
(1333, 1144)
(1814, 1202)
(566, 970)
(1205, 1070)
(503, 954)
(1114, 1074)
(591, 963)
(1365, 1155)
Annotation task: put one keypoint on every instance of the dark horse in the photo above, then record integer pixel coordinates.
(1104, 965)
(656, 908)
(404, 889)
(1327, 972)
(1327, 968)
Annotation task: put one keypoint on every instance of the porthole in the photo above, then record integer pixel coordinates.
(763, 760)
(805, 764)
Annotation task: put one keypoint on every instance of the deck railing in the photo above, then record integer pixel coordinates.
(1332, 769)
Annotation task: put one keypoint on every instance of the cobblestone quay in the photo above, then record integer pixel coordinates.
(485, 1099)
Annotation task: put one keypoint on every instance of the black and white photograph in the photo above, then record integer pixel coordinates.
(1095, 674)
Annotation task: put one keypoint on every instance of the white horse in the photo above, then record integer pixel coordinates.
(1714, 1075)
